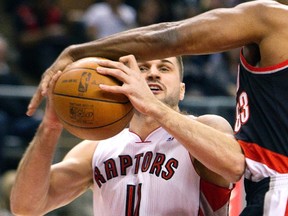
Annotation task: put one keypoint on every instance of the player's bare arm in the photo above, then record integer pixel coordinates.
(211, 147)
(52, 187)
(32, 182)
(36, 182)
(220, 124)
(74, 172)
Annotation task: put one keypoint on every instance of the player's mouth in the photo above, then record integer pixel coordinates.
(155, 88)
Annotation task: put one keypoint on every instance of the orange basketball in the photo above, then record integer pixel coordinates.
(84, 109)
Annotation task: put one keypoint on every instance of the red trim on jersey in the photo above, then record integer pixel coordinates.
(200, 212)
(271, 159)
(236, 203)
(262, 69)
(209, 190)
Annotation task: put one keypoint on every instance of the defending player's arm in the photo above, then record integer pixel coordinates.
(196, 35)
(216, 30)
(40, 188)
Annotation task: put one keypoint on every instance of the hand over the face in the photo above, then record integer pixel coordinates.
(134, 84)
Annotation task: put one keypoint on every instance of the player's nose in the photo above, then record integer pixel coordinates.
(153, 72)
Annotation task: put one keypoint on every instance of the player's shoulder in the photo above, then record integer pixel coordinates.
(84, 149)
(260, 3)
(211, 119)
(264, 5)
(215, 121)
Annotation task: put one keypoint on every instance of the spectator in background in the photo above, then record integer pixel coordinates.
(41, 34)
(148, 12)
(102, 19)
(213, 75)
(153, 11)
(12, 110)
(3, 115)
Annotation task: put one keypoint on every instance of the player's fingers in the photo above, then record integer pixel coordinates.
(105, 62)
(129, 61)
(34, 102)
(112, 89)
(38, 96)
(40, 93)
(56, 77)
(109, 64)
(53, 80)
(47, 76)
(116, 73)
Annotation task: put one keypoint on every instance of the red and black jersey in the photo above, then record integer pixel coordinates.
(262, 118)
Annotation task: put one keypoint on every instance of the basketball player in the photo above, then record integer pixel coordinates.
(148, 169)
(261, 28)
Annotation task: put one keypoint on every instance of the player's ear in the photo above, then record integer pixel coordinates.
(182, 91)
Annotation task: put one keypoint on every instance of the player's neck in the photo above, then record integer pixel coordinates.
(143, 125)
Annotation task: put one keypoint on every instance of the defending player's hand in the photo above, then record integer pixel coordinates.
(61, 62)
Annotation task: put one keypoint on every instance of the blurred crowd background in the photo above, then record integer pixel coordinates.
(34, 32)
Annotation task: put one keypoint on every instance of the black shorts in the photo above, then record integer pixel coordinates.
(267, 197)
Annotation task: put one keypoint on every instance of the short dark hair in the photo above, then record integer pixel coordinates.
(283, 1)
(181, 67)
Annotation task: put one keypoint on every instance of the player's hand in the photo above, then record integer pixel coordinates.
(134, 85)
(61, 62)
(50, 116)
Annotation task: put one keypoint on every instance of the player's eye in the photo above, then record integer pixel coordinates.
(164, 69)
(143, 68)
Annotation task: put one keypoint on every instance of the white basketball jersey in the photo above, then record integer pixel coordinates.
(145, 178)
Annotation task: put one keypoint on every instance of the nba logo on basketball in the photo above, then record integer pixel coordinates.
(84, 81)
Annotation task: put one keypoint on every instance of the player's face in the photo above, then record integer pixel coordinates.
(163, 78)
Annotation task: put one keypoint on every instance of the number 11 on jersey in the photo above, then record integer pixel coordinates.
(132, 205)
